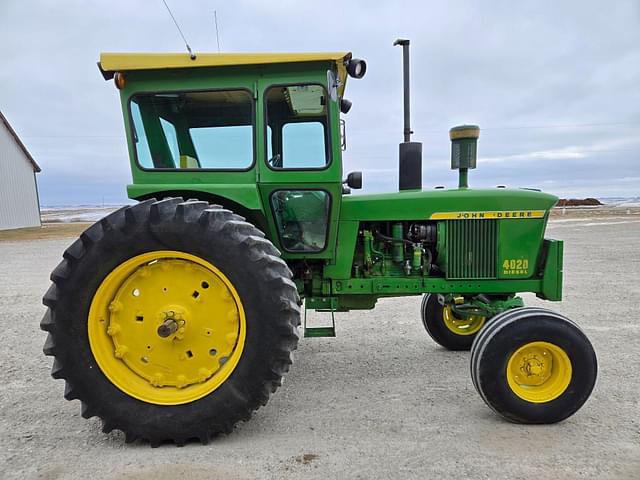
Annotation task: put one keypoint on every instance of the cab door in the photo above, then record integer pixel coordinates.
(299, 164)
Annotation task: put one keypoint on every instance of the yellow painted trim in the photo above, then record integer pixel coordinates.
(539, 372)
(105, 328)
(114, 62)
(466, 133)
(488, 215)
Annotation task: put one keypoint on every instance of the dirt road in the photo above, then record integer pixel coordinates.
(379, 401)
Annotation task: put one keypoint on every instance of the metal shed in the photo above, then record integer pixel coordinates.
(19, 204)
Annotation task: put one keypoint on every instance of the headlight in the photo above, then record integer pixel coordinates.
(356, 68)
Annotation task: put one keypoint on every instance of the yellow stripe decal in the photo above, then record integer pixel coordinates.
(484, 215)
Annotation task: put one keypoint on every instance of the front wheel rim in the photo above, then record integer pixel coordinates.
(539, 372)
(464, 326)
(167, 327)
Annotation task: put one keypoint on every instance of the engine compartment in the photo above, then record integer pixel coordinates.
(405, 248)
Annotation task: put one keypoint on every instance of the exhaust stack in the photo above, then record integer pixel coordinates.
(410, 166)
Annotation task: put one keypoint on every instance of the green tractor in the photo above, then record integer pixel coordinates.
(176, 317)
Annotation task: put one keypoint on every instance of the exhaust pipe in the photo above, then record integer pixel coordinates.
(410, 166)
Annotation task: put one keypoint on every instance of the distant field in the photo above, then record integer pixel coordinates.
(595, 212)
(76, 214)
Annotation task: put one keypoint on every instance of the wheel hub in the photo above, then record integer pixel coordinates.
(535, 370)
(539, 372)
(171, 324)
(164, 348)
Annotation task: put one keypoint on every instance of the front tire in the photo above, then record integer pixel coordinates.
(171, 320)
(445, 328)
(533, 366)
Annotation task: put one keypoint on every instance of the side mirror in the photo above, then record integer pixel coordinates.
(354, 180)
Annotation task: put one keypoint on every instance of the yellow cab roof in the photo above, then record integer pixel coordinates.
(122, 62)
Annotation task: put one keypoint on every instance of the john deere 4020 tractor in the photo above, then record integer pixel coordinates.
(176, 317)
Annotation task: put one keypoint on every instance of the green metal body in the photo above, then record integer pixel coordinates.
(366, 255)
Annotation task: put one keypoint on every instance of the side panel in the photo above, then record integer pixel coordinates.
(519, 246)
(242, 194)
(342, 265)
(243, 199)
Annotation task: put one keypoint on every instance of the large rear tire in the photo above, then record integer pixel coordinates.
(171, 320)
(533, 366)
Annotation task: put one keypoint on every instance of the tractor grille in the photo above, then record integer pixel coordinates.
(471, 247)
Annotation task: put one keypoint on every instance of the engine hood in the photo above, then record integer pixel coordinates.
(443, 204)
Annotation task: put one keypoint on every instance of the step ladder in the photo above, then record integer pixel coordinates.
(323, 331)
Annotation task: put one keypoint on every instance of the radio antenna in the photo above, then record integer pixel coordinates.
(215, 19)
(191, 54)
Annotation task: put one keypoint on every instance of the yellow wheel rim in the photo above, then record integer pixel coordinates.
(539, 372)
(466, 326)
(167, 327)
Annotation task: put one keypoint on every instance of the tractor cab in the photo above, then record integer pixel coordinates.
(256, 133)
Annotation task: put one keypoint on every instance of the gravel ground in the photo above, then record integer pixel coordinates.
(379, 401)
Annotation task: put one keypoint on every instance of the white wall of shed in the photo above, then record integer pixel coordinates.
(18, 195)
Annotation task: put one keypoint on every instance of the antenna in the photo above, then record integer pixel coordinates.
(215, 19)
(191, 54)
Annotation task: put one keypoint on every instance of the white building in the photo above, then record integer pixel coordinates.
(19, 205)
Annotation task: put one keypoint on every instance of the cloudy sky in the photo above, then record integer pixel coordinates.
(555, 86)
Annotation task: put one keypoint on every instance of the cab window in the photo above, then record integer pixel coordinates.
(194, 130)
(302, 218)
(296, 120)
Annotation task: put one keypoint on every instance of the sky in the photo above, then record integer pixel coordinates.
(554, 86)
